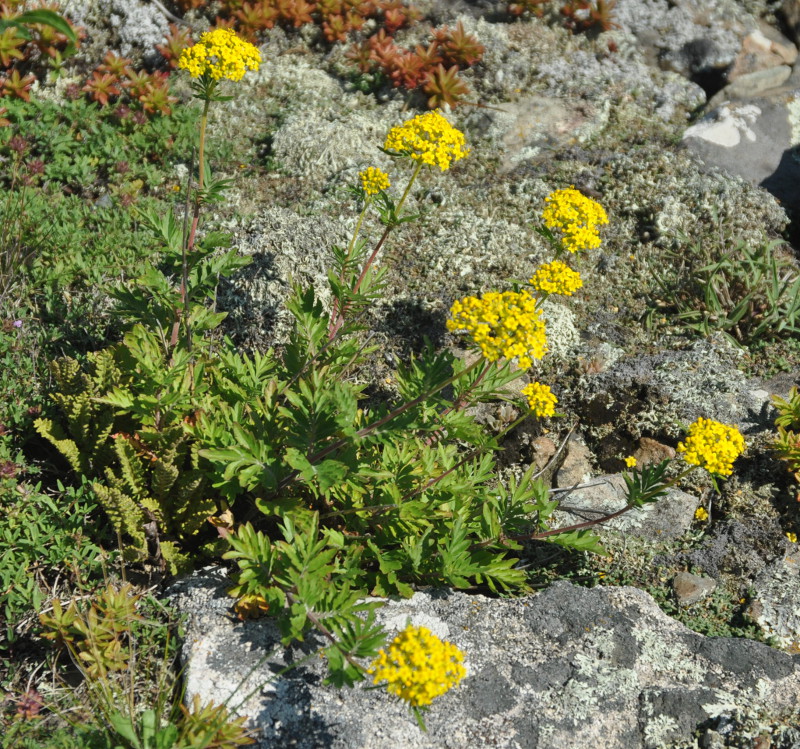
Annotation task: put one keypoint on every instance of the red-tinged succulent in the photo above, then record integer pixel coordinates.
(457, 47)
(10, 44)
(185, 5)
(327, 8)
(429, 55)
(581, 15)
(224, 23)
(115, 65)
(361, 56)
(407, 71)
(177, 40)
(17, 85)
(335, 28)
(396, 15)
(255, 17)
(356, 20)
(600, 13)
(534, 7)
(443, 86)
(157, 98)
(49, 41)
(4, 122)
(138, 81)
(296, 12)
(102, 85)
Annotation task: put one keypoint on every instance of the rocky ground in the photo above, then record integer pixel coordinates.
(682, 121)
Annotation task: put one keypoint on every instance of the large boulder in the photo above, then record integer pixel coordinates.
(601, 667)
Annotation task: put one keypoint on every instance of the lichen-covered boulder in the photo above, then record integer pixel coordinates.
(601, 667)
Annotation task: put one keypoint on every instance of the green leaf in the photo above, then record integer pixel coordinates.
(124, 727)
(45, 18)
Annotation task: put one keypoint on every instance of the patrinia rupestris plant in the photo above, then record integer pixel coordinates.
(341, 500)
(121, 419)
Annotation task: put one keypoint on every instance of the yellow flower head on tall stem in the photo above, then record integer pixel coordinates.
(713, 446)
(540, 399)
(220, 54)
(418, 666)
(373, 180)
(506, 324)
(556, 278)
(428, 139)
(575, 217)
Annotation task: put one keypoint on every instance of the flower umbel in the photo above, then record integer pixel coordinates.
(220, 54)
(576, 217)
(712, 446)
(502, 324)
(556, 278)
(373, 180)
(418, 666)
(541, 399)
(429, 139)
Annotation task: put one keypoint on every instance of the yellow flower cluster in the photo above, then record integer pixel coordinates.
(502, 324)
(712, 446)
(428, 138)
(540, 399)
(220, 54)
(556, 278)
(701, 514)
(418, 666)
(630, 461)
(373, 180)
(576, 217)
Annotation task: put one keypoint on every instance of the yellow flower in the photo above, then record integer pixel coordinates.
(506, 324)
(556, 278)
(428, 138)
(712, 446)
(220, 54)
(418, 666)
(541, 399)
(701, 514)
(576, 217)
(373, 180)
(630, 461)
(792, 537)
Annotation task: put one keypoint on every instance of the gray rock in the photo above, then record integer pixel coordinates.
(600, 667)
(752, 84)
(751, 130)
(762, 49)
(668, 518)
(775, 605)
(690, 37)
(689, 588)
(742, 549)
(660, 395)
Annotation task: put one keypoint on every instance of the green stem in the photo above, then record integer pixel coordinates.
(201, 160)
(414, 174)
(334, 327)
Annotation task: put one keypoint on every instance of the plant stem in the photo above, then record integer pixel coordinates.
(332, 327)
(340, 321)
